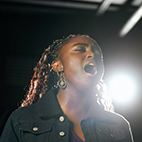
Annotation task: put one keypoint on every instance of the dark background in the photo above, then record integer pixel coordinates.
(27, 28)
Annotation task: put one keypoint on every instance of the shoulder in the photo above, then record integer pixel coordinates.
(25, 119)
(24, 114)
(113, 118)
(100, 116)
(117, 118)
(110, 126)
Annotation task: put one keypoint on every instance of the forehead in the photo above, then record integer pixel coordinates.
(69, 44)
(79, 39)
(82, 39)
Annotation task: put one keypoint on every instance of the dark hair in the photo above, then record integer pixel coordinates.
(44, 78)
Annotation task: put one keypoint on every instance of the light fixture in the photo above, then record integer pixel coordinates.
(104, 6)
(131, 22)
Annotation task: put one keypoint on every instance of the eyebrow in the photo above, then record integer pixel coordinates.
(85, 44)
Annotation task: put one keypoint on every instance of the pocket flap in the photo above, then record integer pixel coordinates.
(35, 128)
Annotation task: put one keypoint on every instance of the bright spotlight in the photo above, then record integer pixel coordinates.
(122, 88)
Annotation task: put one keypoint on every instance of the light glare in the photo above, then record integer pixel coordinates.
(122, 88)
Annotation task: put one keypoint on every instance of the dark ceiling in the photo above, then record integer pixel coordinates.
(27, 27)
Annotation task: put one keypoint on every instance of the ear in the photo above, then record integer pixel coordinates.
(57, 66)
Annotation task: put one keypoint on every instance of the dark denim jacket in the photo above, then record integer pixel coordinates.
(45, 122)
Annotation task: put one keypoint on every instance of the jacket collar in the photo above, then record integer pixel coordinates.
(48, 105)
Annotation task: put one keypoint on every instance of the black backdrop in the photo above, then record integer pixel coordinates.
(26, 30)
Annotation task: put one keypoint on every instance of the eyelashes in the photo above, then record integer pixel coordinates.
(80, 50)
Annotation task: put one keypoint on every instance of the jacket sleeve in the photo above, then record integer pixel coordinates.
(107, 127)
(9, 134)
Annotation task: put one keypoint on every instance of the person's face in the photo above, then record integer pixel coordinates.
(81, 61)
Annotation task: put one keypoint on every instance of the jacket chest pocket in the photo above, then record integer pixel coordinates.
(35, 132)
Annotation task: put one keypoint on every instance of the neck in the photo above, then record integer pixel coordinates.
(74, 103)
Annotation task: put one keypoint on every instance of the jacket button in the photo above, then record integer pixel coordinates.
(61, 118)
(62, 133)
(35, 129)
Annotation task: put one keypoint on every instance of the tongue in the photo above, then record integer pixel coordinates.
(90, 69)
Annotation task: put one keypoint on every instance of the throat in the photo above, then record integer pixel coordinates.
(89, 69)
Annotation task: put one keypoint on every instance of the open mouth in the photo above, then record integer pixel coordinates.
(90, 68)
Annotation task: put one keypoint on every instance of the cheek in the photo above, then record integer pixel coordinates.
(72, 67)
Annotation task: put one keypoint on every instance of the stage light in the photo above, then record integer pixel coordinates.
(131, 22)
(122, 88)
(104, 6)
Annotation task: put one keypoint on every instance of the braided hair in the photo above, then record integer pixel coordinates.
(45, 78)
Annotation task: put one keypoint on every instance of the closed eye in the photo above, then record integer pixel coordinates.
(80, 47)
(82, 50)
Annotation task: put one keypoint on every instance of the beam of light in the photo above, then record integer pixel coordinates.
(136, 2)
(131, 22)
(104, 6)
(122, 88)
(65, 4)
(90, 0)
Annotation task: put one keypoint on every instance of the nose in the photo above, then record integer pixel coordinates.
(90, 55)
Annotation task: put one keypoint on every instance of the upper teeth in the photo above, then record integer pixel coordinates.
(91, 64)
